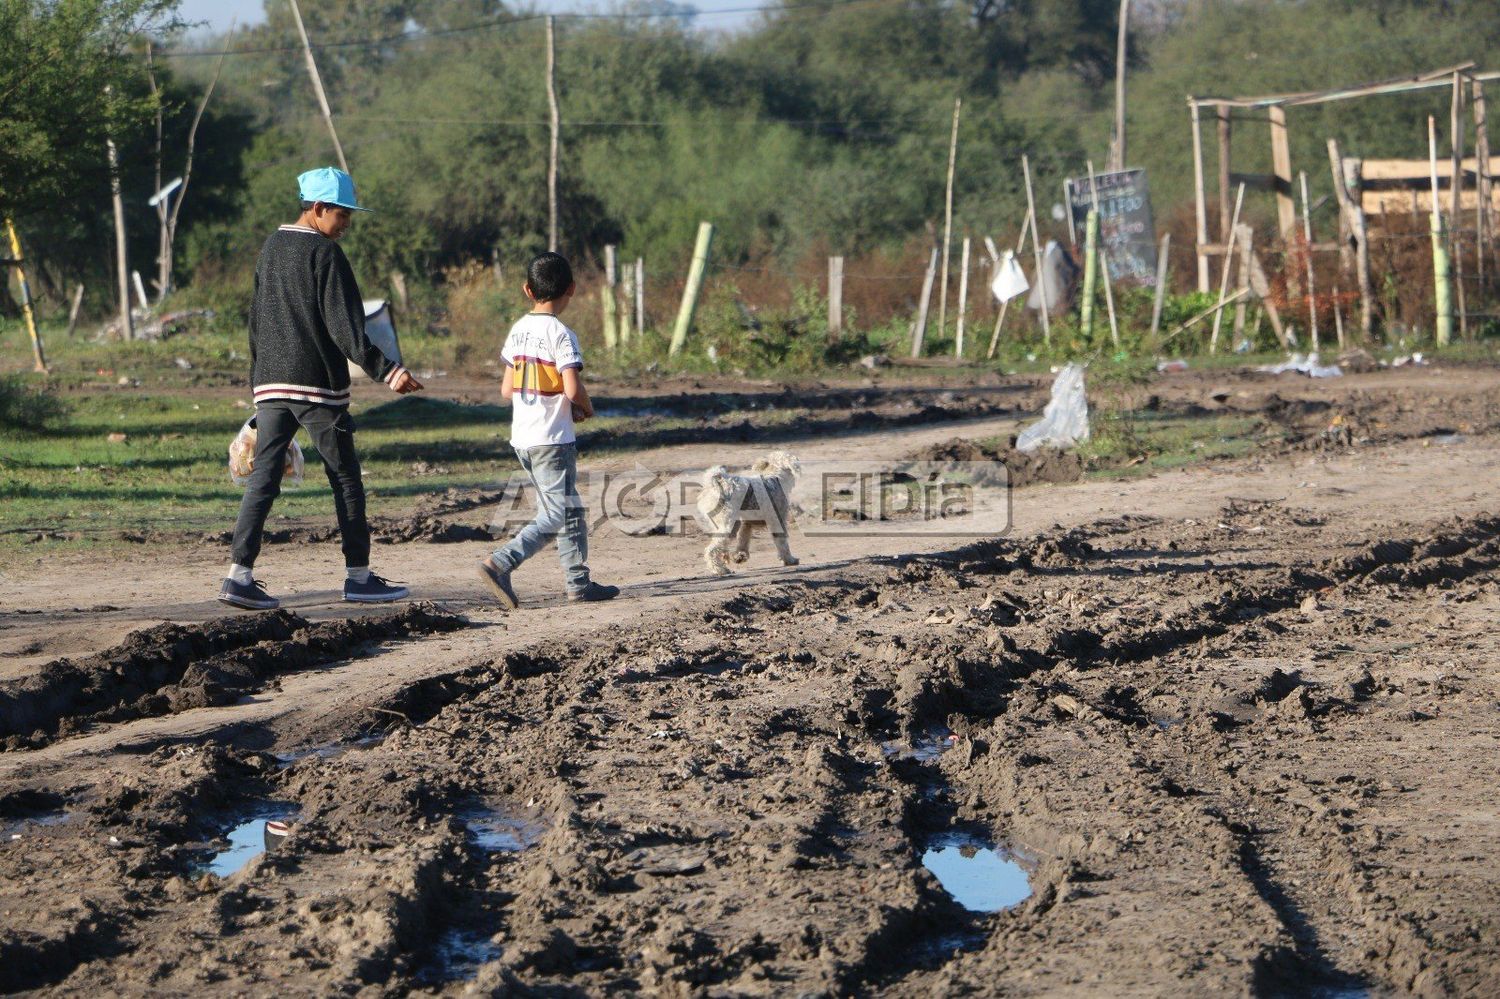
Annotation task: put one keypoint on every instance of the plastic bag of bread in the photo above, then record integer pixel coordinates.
(242, 457)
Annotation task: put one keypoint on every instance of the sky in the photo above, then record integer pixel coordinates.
(218, 13)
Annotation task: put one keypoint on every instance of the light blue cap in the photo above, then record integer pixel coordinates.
(330, 186)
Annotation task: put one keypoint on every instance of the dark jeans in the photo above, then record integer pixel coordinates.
(332, 431)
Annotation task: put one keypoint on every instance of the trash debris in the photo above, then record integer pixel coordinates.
(1405, 359)
(117, 438)
(873, 361)
(1177, 364)
(1010, 281)
(184, 364)
(1065, 421)
(242, 457)
(1303, 364)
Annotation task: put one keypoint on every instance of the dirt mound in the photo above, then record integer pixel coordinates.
(174, 667)
(1044, 465)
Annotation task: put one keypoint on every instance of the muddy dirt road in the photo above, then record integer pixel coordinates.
(1237, 723)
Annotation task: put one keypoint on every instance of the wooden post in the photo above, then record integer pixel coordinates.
(1239, 200)
(1442, 292)
(140, 290)
(1226, 227)
(1200, 207)
(640, 295)
(627, 307)
(958, 103)
(1109, 299)
(1117, 159)
(1090, 262)
(1360, 233)
(694, 285)
(122, 261)
(963, 298)
(317, 82)
(39, 355)
(989, 244)
(398, 287)
(607, 299)
(1036, 248)
(1455, 189)
(1161, 282)
(1242, 238)
(1338, 317)
(835, 297)
(1484, 223)
(919, 335)
(1281, 160)
(554, 118)
(73, 309)
(1262, 289)
(1312, 301)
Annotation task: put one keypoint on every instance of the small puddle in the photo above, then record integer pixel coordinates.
(495, 830)
(978, 876)
(24, 828)
(457, 957)
(328, 750)
(265, 829)
(924, 748)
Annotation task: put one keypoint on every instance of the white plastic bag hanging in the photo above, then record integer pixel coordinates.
(1065, 421)
(242, 458)
(1010, 281)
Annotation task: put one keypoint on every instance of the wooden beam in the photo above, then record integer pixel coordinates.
(1224, 181)
(1423, 81)
(1354, 217)
(1281, 158)
(1199, 206)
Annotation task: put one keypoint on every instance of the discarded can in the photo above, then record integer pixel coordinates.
(276, 834)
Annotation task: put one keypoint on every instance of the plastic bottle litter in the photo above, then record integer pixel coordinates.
(1065, 421)
(242, 457)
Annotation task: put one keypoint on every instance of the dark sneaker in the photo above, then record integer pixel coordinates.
(374, 590)
(250, 596)
(593, 592)
(498, 581)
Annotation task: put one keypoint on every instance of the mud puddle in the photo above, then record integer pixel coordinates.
(264, 828)
(328, 750)
(925, 748)
(975, 874)
(20, 829)
(457, 957)
(500, 830)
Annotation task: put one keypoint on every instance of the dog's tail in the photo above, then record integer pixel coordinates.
(717, 487)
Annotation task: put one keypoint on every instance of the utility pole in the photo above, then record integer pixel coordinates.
(312, 71)
(556, 125)
(1118, 159)
(122, 262)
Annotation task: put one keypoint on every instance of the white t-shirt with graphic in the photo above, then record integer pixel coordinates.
(539, 349)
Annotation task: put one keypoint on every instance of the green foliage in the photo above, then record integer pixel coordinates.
(26, 407)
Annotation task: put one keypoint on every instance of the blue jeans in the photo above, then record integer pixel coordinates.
(560, 514)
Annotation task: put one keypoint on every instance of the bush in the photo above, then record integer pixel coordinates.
(23, 407)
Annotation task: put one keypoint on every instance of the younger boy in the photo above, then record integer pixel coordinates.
(544, 384)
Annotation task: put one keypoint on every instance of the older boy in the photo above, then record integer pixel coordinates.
(307, 322)
(543, 381)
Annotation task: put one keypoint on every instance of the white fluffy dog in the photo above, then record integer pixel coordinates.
(733, 506)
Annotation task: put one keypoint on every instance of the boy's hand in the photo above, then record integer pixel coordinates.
(581, 413)
(406, 382)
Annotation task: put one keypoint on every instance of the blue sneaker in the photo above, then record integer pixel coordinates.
(250, 596)
(374, 590)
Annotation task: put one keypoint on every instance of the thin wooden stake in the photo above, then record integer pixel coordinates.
(1483, 223)
(1109, 298)
(919, 335)
(1036, 248)
(1455, 188)
(1161, 282)
(1200, 206)
(1242, 238)
(989, 244)
(1338, 316)
(963, 298)
(1211, 310)
(122, 262)
(1118, 157)
(555, 119)
(610, 307)
(1361, 235)
(317, 82)
(835, 297)
(627, 307)
(640, 294)
(1234, 221)
(692, 288)
(73, 309)
(958, 103)
(1312, 301)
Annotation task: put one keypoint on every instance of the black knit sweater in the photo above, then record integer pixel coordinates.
(307, 322)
